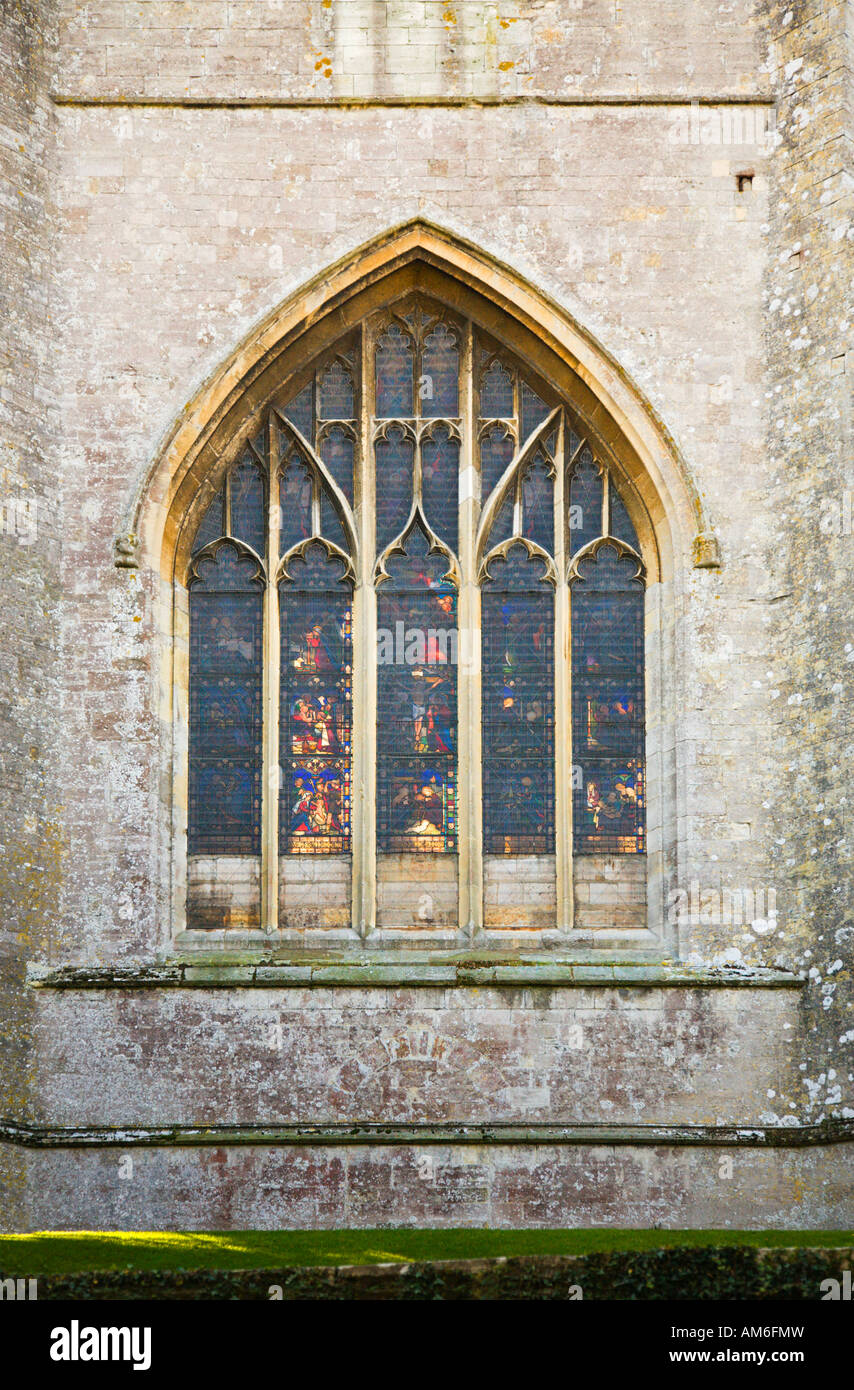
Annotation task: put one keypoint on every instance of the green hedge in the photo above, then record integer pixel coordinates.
(739, 1273)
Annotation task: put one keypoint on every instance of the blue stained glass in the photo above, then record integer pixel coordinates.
(226, 617)
(439, 385)
(337, 449)
(608, 705)
(496, 455)
(395, 456)
(440, 469)
(336, 393)
(518, 707)
(534, 410)
(537, 504)
(211, 526)
(300, 412)
(395, 363)
(417, 704)
(496, 393)
(620, 523)
(296, 489)
(330, 523)
(585, 503)
(248, 518)
(315, 725)
(502, 527)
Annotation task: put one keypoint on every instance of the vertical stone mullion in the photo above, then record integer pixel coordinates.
(469, 771)
(364, 779)
(563, 699)
(270, 789)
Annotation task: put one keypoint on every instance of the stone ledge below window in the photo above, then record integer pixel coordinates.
(383, 970)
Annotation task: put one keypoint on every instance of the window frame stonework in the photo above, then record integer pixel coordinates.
(367, 569)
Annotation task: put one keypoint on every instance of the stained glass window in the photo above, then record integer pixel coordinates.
(585, 502)
(296, 491)
(225, 703)
(315, 725)
(409, 547)
(518, 707)
(537, 508)
(439, 382)
(395, 455)
(496, 392)
(608, 704)
(337, 448)
(497, 448)
(336, 393)
(395, 374)
(248, 513)
(440, 470)
(620, 524)
(417, 703)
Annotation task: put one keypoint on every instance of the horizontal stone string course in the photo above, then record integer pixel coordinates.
(376, 974)
(334, 1135)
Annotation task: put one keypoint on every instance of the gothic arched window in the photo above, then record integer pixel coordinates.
(416, 650)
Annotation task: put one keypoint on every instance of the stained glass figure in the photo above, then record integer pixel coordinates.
(226, 617)
(248, 512)
(315, 723)
(585, 502)
(496, 393)
(537, 505)
(395, 455)
(518, 707)
(497, 448)
(417, 703)
(620, 524)
(440, 466)
(439, 381)
(336, 394)
(608, 704)
(395, 360)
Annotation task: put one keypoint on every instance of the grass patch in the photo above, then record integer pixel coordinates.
(63, 1252)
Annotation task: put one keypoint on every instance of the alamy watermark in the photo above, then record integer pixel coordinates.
(696, 906)
(19, 518)
(723, 125)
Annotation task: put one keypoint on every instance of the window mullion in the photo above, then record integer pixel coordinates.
(563, 699)
(364, 745)
(469, 742)
(271, 678)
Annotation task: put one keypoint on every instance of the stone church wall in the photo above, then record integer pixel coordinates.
(193, 165)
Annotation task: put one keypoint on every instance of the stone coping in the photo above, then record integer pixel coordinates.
(364, 970)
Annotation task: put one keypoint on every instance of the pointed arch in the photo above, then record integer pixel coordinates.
(663, 500)
(583, 396)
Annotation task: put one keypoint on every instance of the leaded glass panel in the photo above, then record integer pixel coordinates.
(417, 704)
(316, 691)
(608, 704)
(226, 617)
(518, 707)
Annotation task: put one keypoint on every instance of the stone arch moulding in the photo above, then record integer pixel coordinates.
(421, 254)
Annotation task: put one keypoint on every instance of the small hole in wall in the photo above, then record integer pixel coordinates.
(744, 181)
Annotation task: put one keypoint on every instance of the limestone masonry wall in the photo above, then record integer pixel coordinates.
(675, 175)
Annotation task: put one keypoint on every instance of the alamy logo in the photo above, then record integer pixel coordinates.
(76, 1343)
(19, 1289)
(833, 1291)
